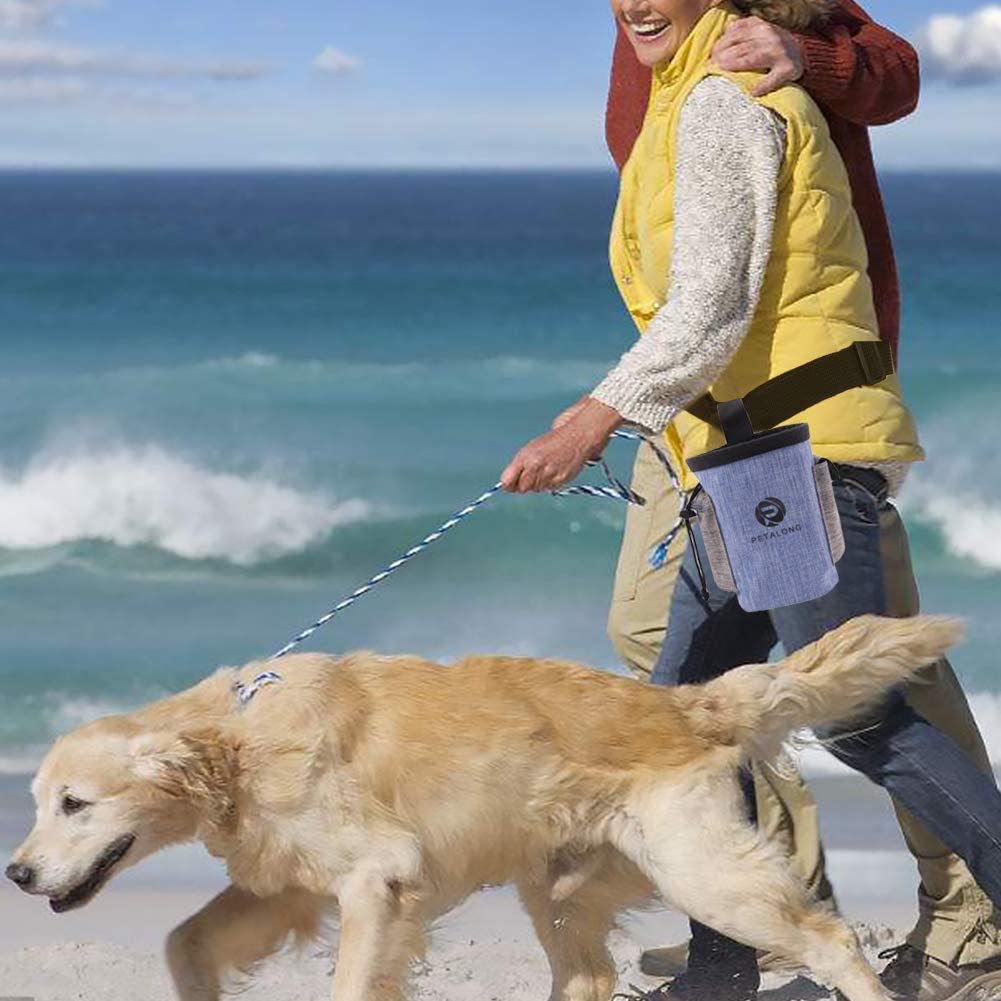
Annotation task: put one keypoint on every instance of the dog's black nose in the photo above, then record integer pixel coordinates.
(23, 875)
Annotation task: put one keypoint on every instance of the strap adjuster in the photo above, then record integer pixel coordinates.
(867, 353)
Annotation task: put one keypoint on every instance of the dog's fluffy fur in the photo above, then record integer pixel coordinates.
(392, 788)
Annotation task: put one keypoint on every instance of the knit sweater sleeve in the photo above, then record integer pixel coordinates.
(860, 70)
(729, 156)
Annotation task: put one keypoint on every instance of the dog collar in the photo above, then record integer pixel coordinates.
(245, 691)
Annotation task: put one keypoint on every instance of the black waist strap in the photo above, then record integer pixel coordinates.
(867, 477)
(864, 363)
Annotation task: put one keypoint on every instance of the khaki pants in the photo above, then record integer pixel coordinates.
(956, 923)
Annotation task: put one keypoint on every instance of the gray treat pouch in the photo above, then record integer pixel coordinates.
(770, 524)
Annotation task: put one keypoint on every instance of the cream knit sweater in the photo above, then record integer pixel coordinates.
(730, 151)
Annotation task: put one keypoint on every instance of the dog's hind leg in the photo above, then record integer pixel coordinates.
(706, 859)
(574, 929)
(573, 932)
(232, 933)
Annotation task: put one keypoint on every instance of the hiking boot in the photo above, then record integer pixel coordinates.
(697, 986)
(911, 975)
(669, 961)
(672, 961)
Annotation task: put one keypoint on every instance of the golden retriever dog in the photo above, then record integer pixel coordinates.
(391, 788)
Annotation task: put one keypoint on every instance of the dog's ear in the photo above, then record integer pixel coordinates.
(196, 767)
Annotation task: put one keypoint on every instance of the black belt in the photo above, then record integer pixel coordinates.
(865, 476)
(864, 363)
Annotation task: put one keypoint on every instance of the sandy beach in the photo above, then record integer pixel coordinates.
(485, 951)
(501, 966)
(111, 950)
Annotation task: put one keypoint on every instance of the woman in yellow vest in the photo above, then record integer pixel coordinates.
(738, 253)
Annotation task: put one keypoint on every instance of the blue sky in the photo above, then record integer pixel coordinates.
(253, 83)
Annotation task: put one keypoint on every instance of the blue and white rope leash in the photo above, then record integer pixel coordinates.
(615, 490)
(413, 551)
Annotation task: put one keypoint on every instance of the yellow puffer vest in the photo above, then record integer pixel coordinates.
(816, 297)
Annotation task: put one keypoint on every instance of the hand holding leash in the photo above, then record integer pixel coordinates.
(554, 459)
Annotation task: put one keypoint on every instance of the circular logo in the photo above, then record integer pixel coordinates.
(770, 512)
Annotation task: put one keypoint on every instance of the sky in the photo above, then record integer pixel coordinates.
(249, 83)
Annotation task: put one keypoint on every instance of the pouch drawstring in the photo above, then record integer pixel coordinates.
(688, 515)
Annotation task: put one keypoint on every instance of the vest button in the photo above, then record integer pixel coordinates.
(627, 279)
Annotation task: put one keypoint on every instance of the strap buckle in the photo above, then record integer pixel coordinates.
(867, 353)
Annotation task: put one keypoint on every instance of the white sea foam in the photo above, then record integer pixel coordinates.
(814, 759)
(67, 713)
(58, 713)
(22, 761)
(957, 490)
(260, 359)
(499, 377)
(146, 495)
(971, 529)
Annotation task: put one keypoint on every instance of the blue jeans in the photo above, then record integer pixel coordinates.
(922, 768)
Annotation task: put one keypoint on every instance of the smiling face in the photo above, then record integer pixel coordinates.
(95, 815)
(657, 28)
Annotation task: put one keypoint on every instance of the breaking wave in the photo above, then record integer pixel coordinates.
(148, 496)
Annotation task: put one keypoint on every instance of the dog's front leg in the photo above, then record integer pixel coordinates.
(382, 933)
(231, 933)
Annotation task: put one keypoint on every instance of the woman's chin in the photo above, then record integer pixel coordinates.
(651, 61)
(653, 55)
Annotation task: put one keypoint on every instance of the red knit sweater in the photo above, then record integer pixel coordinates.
(861, 74)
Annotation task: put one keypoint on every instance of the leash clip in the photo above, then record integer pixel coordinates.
(245, 692)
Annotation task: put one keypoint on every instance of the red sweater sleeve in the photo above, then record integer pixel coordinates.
(859, 70)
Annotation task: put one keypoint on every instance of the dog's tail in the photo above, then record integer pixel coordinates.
(836, 679)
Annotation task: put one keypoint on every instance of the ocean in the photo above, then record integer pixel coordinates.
(227, 398)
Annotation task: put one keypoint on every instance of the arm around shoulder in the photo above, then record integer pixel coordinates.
(860, 70)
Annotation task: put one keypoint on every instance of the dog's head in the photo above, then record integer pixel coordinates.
(110, 794)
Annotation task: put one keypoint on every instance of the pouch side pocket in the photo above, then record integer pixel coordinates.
(829, 508)
(712, 539)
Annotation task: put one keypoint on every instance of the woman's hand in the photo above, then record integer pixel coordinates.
(557, 457)
(754, 44)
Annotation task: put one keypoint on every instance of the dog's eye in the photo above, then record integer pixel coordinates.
(73, 805)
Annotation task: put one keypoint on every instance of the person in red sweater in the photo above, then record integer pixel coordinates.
(861, 75)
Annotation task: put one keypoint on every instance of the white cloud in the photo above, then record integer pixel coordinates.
(29, 56)
(21, 15)
(43, 90)
(963, 49)
(335, 62)
(97, 93)
(27, 15)
(36, 68)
